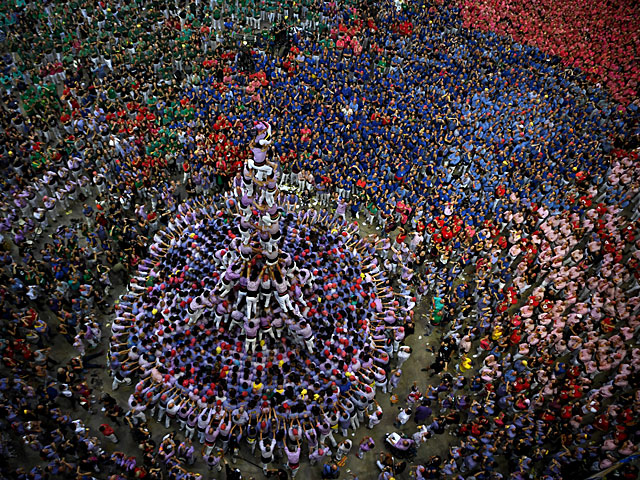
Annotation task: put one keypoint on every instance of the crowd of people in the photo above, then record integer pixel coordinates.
(505, 190)
(274, 374)
(245, 328)
(599, 39)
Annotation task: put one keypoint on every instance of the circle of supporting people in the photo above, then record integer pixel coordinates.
(204, 350)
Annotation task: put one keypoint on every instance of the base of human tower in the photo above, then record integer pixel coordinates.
(259, 307)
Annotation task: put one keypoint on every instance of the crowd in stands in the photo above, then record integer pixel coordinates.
(509, 183)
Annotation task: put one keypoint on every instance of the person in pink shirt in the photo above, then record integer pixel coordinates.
(526, 311)
(604, 363)
(524, 350)
(585, 355)
(528, 325)
(591, 367)
(581, 308)
(621, 380)
(628, 448)
(551, 234)
(534, 339)
(574, 343)
(560, 345)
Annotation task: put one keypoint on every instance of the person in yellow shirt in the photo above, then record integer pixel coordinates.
(497, 332)
(465, 364)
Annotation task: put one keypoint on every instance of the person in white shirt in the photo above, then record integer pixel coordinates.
(403, 416)
(171, 412)
(403, 355)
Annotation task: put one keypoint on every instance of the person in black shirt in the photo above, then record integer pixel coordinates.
(446, 348)
(231, 473)
(280, 474)
(437, 366)
(234, 444)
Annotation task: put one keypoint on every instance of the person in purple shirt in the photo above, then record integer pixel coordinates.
(423, 412)
(251, 328)
(341, 210)
(366, 444)
(293, 457)
(319, 455)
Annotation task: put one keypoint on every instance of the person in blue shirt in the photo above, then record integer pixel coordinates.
(330, 471)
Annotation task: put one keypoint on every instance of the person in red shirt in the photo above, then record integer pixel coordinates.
(601, 423)
(108, 432)
(521, 384)
(566, 412)
(548, 416)
(402, 235)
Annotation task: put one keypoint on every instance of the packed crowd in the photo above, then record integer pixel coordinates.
(551, 376)
(599, 39)
(509, 186)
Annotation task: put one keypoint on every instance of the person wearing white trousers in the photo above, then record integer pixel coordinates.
(172, 410)
(118, 379)
(252, 301)
(251, 331)
(284, 301)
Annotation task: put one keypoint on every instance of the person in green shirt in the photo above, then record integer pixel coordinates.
(372, 210)
(217, 18)
(271, 10)
(310, 22)
(438, 312)
(254, 15)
